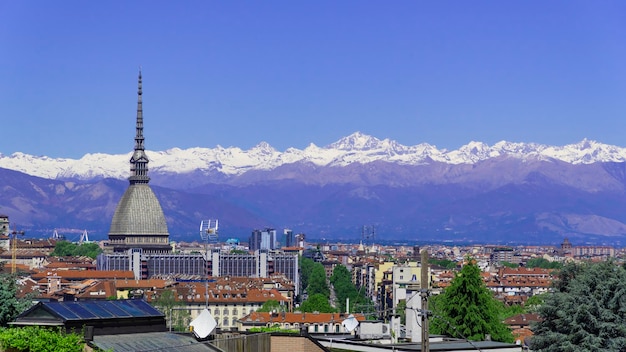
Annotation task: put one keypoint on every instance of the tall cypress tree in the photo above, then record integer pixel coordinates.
(467, 309)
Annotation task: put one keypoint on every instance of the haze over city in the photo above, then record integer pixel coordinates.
(290, 74)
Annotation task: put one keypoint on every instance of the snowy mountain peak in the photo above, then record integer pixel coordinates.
(356, 141)
(263, 148)
(355, 148)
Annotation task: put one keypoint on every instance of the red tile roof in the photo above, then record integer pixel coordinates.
(85, 274)
(300, 318)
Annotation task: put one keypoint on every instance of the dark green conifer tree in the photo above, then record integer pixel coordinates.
(586, 311)
(467, 309)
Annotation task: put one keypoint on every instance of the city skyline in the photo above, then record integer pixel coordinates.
(293, 74)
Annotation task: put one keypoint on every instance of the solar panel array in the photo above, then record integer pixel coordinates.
(83, 310)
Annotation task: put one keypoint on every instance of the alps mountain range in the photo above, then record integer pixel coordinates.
(504, 193)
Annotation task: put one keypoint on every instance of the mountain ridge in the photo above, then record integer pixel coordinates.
(505, 193)
(355, 148)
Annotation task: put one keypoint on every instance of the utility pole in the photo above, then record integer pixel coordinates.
(424, 292)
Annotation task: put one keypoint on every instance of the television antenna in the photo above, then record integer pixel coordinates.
(208, 230)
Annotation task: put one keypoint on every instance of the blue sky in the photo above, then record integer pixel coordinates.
(290, 73)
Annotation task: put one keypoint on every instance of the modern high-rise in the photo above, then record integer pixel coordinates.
(138, 222)
(289, 239)
(263, 240)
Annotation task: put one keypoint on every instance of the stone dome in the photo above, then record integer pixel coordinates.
(139, 213)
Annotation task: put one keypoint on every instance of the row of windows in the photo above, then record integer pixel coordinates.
(225, 321)
(225, 311)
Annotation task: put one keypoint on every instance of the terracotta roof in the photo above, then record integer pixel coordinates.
(20, 253)
(85, 274)
(70, 265)
(158, 283)
(27, 286)
(195, 293)
(300, 318)
(523, 319)
(99, 290)
(521, 334)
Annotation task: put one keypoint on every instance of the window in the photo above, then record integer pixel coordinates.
(225, 311)
(217, 311)
(225, 321)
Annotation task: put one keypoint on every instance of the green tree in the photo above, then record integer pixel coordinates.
(270, 306)
(506, 311)
(177, 318)
(10, 305)
(63, 249)
(444, 263)
(89, 249)
(543, 263)
(306, 267)
(345, 289)
(534, 302)
(509, 264)
(34, 338)
(318, 282)
(401, 310)
(66, 248)
(467, 309)
(317, 303)
(586, 311)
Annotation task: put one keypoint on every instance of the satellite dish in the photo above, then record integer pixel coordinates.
(350, 323)
(204, 324)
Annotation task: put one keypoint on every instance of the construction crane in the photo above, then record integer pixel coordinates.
(13, 239)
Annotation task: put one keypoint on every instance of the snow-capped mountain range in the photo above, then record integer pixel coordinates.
(355, 148)
(507, 192)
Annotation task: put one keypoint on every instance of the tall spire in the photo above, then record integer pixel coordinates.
(139, 160)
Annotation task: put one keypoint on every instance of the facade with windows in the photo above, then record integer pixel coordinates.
(220, 264)
(327, 323)
(226, 303)
(263, 240)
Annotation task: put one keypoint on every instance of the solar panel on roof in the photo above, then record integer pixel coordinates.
(103, 309)
(114, 309)
(139, 308)
(98, 309)
(79, 309)
(62, 311)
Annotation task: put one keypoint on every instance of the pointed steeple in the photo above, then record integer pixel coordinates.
(139, 160)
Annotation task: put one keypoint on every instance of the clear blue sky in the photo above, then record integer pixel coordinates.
(291, 73)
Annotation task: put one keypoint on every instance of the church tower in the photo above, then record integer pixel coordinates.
(138, 221)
